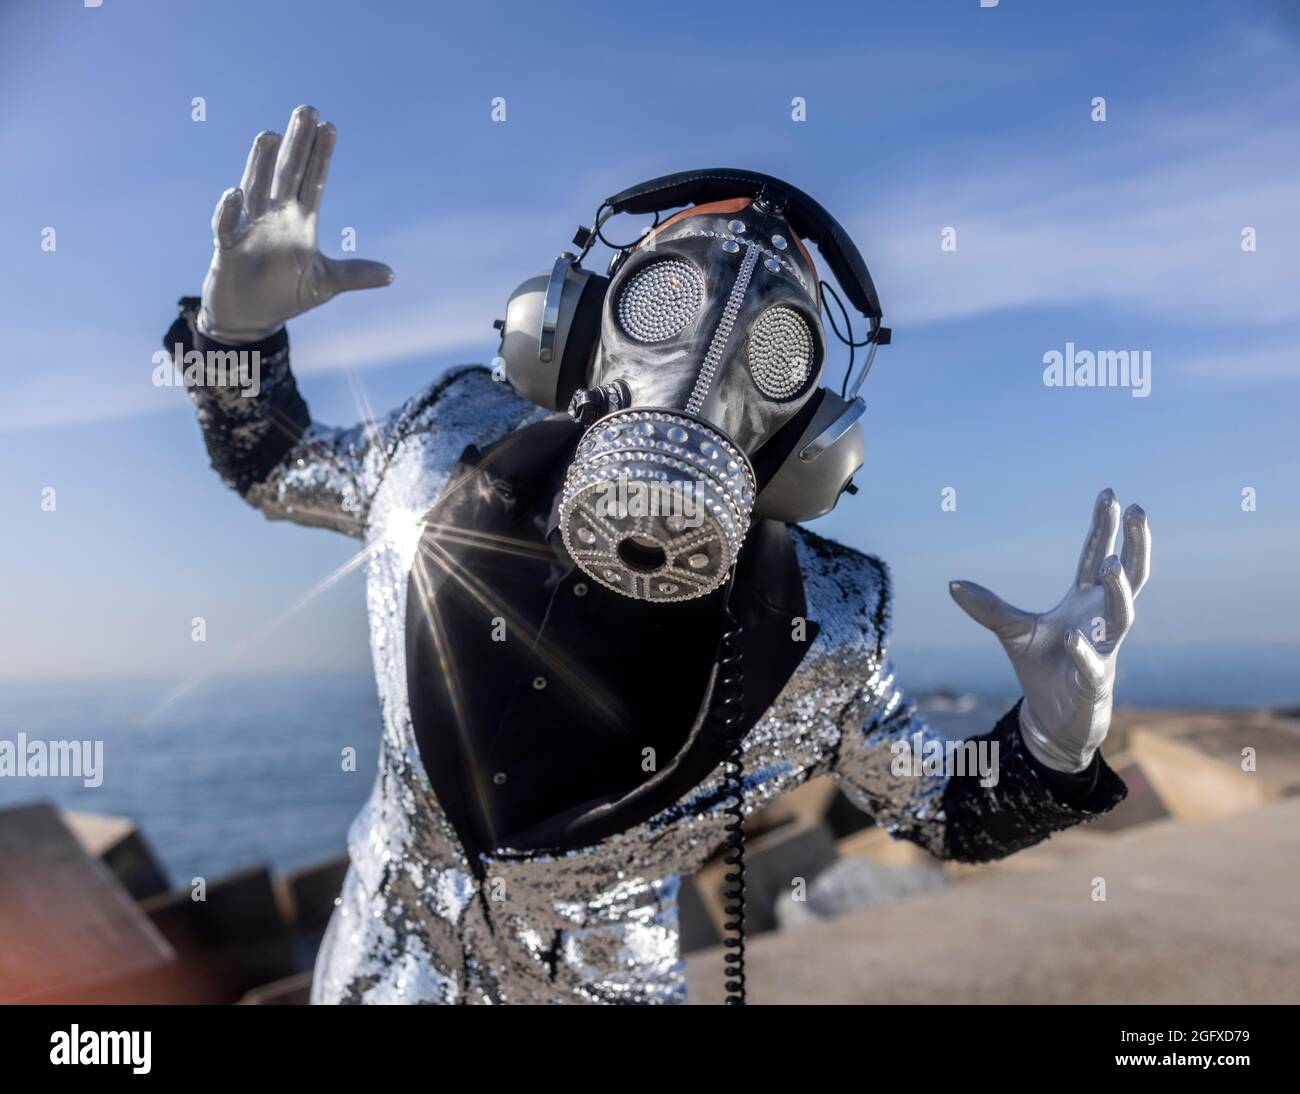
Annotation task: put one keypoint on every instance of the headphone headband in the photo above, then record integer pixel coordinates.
(551, 331)
(805, 215)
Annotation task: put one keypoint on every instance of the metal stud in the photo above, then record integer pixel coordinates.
(772, 265)
(660, 300)
(735, 225)
(781, 352)
(778, 241)
(730, 246)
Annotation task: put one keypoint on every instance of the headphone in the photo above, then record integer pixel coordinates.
(552, 328)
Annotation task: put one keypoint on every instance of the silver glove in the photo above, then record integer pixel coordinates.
(266, 265)
(1065, 658)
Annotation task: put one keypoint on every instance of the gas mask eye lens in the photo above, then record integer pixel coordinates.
(660, 300)
(781, 352)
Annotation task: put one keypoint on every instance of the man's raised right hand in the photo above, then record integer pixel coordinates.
(266, 264)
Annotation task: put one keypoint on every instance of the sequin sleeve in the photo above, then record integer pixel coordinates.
(974, 800)
(262, 441)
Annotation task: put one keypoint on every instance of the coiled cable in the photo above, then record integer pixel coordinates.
(727, 713)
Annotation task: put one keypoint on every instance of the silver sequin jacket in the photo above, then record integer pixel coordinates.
(596, 924)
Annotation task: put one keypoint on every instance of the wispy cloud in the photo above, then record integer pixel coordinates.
(1157, 234)
(77, 376)
(454, 275)
(1146, 223)
(1236, 367)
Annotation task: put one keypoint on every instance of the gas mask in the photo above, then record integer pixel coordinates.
(694, 368)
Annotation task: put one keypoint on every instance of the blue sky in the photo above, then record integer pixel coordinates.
(1117, 235)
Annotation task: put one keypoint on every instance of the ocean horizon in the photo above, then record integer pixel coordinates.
(246, 769)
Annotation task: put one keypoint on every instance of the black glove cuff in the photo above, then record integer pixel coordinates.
(1028, 803)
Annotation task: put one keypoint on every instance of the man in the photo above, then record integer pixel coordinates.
(568, 695)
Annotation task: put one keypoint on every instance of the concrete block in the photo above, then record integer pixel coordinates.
(853, 884)
(1195, 912)
(69, 931)
(1142, 806)
(1195, 784)
(696, 929)
(120, 846)
(306, 895)
(772, 862)
(229, 943)
(878, 846)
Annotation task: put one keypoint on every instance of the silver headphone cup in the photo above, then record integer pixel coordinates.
(656, 504)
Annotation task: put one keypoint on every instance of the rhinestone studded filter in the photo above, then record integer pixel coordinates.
(665, 554)
(780, 352)
(660, 300)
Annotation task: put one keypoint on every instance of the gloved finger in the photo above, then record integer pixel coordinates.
(1086, 659)
(1101, 539)
(355, 273)
(258, 170)
(1136, 553)
(225, 218)
(295, 150)
(1119, 600)
(313, 179)
(990, 610)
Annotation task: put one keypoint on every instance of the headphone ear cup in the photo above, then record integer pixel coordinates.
(817, 467)
(548, 337)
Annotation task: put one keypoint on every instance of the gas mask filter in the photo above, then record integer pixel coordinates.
(656, 504)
